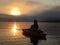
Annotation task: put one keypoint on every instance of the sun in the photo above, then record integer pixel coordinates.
(15, 11)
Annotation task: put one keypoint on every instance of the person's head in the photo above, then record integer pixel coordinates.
(35, 21)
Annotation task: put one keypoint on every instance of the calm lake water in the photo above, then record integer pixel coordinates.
(11, 33)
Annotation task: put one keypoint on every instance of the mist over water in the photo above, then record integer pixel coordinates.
(11, 33)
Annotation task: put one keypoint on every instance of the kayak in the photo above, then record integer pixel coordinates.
(40, 35)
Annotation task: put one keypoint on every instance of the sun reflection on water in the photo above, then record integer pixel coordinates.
(15, 32)
(14, 29)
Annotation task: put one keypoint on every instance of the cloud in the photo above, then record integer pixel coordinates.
(26, 6)
(50, 15)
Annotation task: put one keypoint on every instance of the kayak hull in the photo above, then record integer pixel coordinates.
(37, 35)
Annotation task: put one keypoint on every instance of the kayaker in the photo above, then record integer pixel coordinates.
(34, 33)
(34, 28)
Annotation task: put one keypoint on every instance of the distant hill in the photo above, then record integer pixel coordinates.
(5, 17)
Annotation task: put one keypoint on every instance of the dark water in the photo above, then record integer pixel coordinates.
(11, 33)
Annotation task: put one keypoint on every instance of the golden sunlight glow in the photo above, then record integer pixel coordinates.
(15, 11)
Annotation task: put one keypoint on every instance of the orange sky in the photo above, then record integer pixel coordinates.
(25, 6)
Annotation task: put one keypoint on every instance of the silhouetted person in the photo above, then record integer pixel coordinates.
(34, 28)
(34, 33)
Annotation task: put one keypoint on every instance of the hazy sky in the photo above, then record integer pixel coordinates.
(26, 6)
